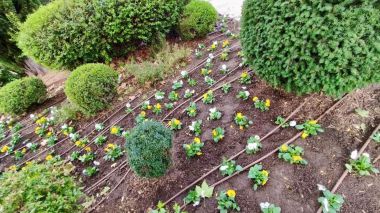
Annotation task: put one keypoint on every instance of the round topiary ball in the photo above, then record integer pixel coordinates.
(198, 19)
(91, 87)
(148, 147)
(17, 96)
(313, 46)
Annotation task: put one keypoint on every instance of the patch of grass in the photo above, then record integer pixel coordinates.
(68, 112)
(165, 62)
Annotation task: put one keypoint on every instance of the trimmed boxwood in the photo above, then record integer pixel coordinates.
(198, 19)
(66, 34)
(148, 147)
(313, 46)
(91, 87)
(46, 187)
(17, 96)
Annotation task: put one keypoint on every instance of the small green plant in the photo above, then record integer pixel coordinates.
(214, 114)
(175, 124)
(269, 208)
(244, 95)
(192, 82)
(208, 97)
(188, 93)
(141, 117)
(159, 95)
(376, 137)
(226, 201)
(169, 106)
(82, 87)
(260, 104)
(196, 127)
(148, 147)
(213, 46)
(209, 81)
(90, 171)
(173, 96)
(224, 56)
(228, 167)
(146, 105)
(185, 74)
(202, 191)
(177, 85)
(116, 130)
(361, 165)
(245, 78)
(226, 88)
(205, 72)
(51, 181)
(281, 122)
(217, 134)
(308, 128)
(292, 154)
(194, 148)
(198, 19)
(253, 145)
(113, 152)
(224, 69)
(242, 121)
(198, 54)
(258, 175)
(157, 109)
(330, 202)
(87, 157)
(191, 110)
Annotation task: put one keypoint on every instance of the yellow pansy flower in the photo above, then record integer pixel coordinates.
(78, 143)
(225, 43)
(265, 173)
(231, 193)
(284, 148)
(241, 127)
(297, 158)
(88, 149)
(197, 140)
(264, 182)
(239, 115)
(254, 99)
(214, 133)
(4, 149)
(177, 122)
(199, 153)
(188, 146)
(13, 168)
(304, 135)
(114, 130)
(143, 113)
(149, 106)
(49, 134)
(48, 157)
(312, 122)
(267, 103)
(23, 151)
(244, 74)
(158, 106)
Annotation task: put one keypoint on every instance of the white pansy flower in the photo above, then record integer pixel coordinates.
(354, 155)
(209, 60)
(96, 163)
(224, 67)
(365, 155)
(64, 126)
(223, 168)
(241, 64)
(98, 126)
(321, 187)
(252, 146)
(28, 145)
(211, 56)
(264, 205)
(292, 123)
(246, 93)
(257, 137)
(147, 102)
(212, 110)
(32, 116)
(128, 105)
(184, 73)
(215, 42)
(244, 88)
(44, 142)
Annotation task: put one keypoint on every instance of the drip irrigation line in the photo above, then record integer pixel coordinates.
(234, 156)
(294, 138)
(107, 196)
(345, 173)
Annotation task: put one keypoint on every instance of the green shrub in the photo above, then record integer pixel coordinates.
(9, 72)
(198, 19)
(92, 87)
(40, 188)
(312, 46)
(66, 34)
(17, 96)
(148, 147)
(165, 62)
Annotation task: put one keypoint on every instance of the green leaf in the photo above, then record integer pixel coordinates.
(204, 191)
(362, 113)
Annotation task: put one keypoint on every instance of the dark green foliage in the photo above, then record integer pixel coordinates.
(65, 34)
(9, 72)
(17, 96)
(92, 87)
(198, 19)
(12, 12)
(40, 188)
(148, 147)
(312, 46)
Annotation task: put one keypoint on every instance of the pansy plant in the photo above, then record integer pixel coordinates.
(157, 109)
(208, 65)
(146, 105)
(194, 148)
(245, 78)
(159, 96)
(214, 114)
(184, 74)
(217, 134)
(196, 127)
(226, 88)
(141, 117)
(116, 130)
(113, 152)
(192, 82)
(261, 104)
(208, 97)
(228, 167)
(191, 110)
(292, 154)
(361, 164)
(310, 127)
(173, 96)
(244, 95)
(209, 81)
(99, 127)
(205, 72)
(188, 93)
(280, 121)
(169, 106)
(269, 208)
(175, 124)
(329, 201)
(258, 175)
(242, 121)
(226, 201)
(90, 171)
(87, 157)
(226, 43)
(224, 56)
(198, 54)
(213, 46)
(253, 145)
(177, 85)
(203, 191)
(224, 69)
